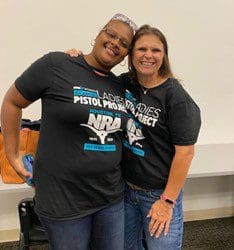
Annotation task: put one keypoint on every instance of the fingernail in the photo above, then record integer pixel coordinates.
(148, 216)
(156, 236)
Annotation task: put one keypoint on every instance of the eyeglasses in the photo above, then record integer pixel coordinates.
(111, 34)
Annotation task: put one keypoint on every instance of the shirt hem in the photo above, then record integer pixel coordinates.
(77, 216)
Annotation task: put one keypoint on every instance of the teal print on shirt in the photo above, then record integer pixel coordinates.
(135, 150)
(147, 115)
(86, 96)
(134, 134)
(102, 123)
(130, 101)
(81, 91)
(98, 147)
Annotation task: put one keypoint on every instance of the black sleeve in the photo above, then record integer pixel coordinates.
(184, 123)
(125, 80)
(35, 80)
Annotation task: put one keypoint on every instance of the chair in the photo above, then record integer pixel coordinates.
(31, 230)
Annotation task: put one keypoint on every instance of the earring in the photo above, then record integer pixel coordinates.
(92, 42)
(123, 63)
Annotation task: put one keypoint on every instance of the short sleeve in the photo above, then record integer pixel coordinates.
(35, 80)
(184, 123)
(125, 79)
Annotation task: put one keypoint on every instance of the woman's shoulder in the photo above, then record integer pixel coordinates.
(57, 57)
(174, 85)
(126, 80)
(124, 77)
(177, 92)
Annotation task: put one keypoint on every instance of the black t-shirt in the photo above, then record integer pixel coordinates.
(77, 165)
(160, 118)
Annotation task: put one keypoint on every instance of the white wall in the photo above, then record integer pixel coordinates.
(200, 35)
(9, 218)
(209, 193)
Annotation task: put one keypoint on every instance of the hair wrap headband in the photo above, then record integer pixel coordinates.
(125, 19)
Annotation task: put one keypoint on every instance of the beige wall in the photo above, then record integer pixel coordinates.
(200, 35)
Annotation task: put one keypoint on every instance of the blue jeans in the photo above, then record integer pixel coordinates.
(102, 230)
(137, 205)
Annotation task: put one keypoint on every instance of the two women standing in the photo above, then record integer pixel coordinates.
(78, 184)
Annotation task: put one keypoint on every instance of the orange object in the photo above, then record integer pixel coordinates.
(28, 145)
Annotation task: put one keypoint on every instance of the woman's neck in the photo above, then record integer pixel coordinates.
(91, 60)
(151, 81)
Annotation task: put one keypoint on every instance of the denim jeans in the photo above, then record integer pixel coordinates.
(137, 205)
(102, 230)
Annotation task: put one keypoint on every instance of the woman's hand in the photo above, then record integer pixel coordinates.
(161, 215)
(18, 166)
(73, 52)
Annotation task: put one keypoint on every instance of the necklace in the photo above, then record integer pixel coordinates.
(144, 89)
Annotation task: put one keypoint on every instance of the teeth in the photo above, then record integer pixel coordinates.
(110, 51)
(147, 63)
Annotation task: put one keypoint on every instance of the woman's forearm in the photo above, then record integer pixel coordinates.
(10, 124)
(179, 169)
(11, 113)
